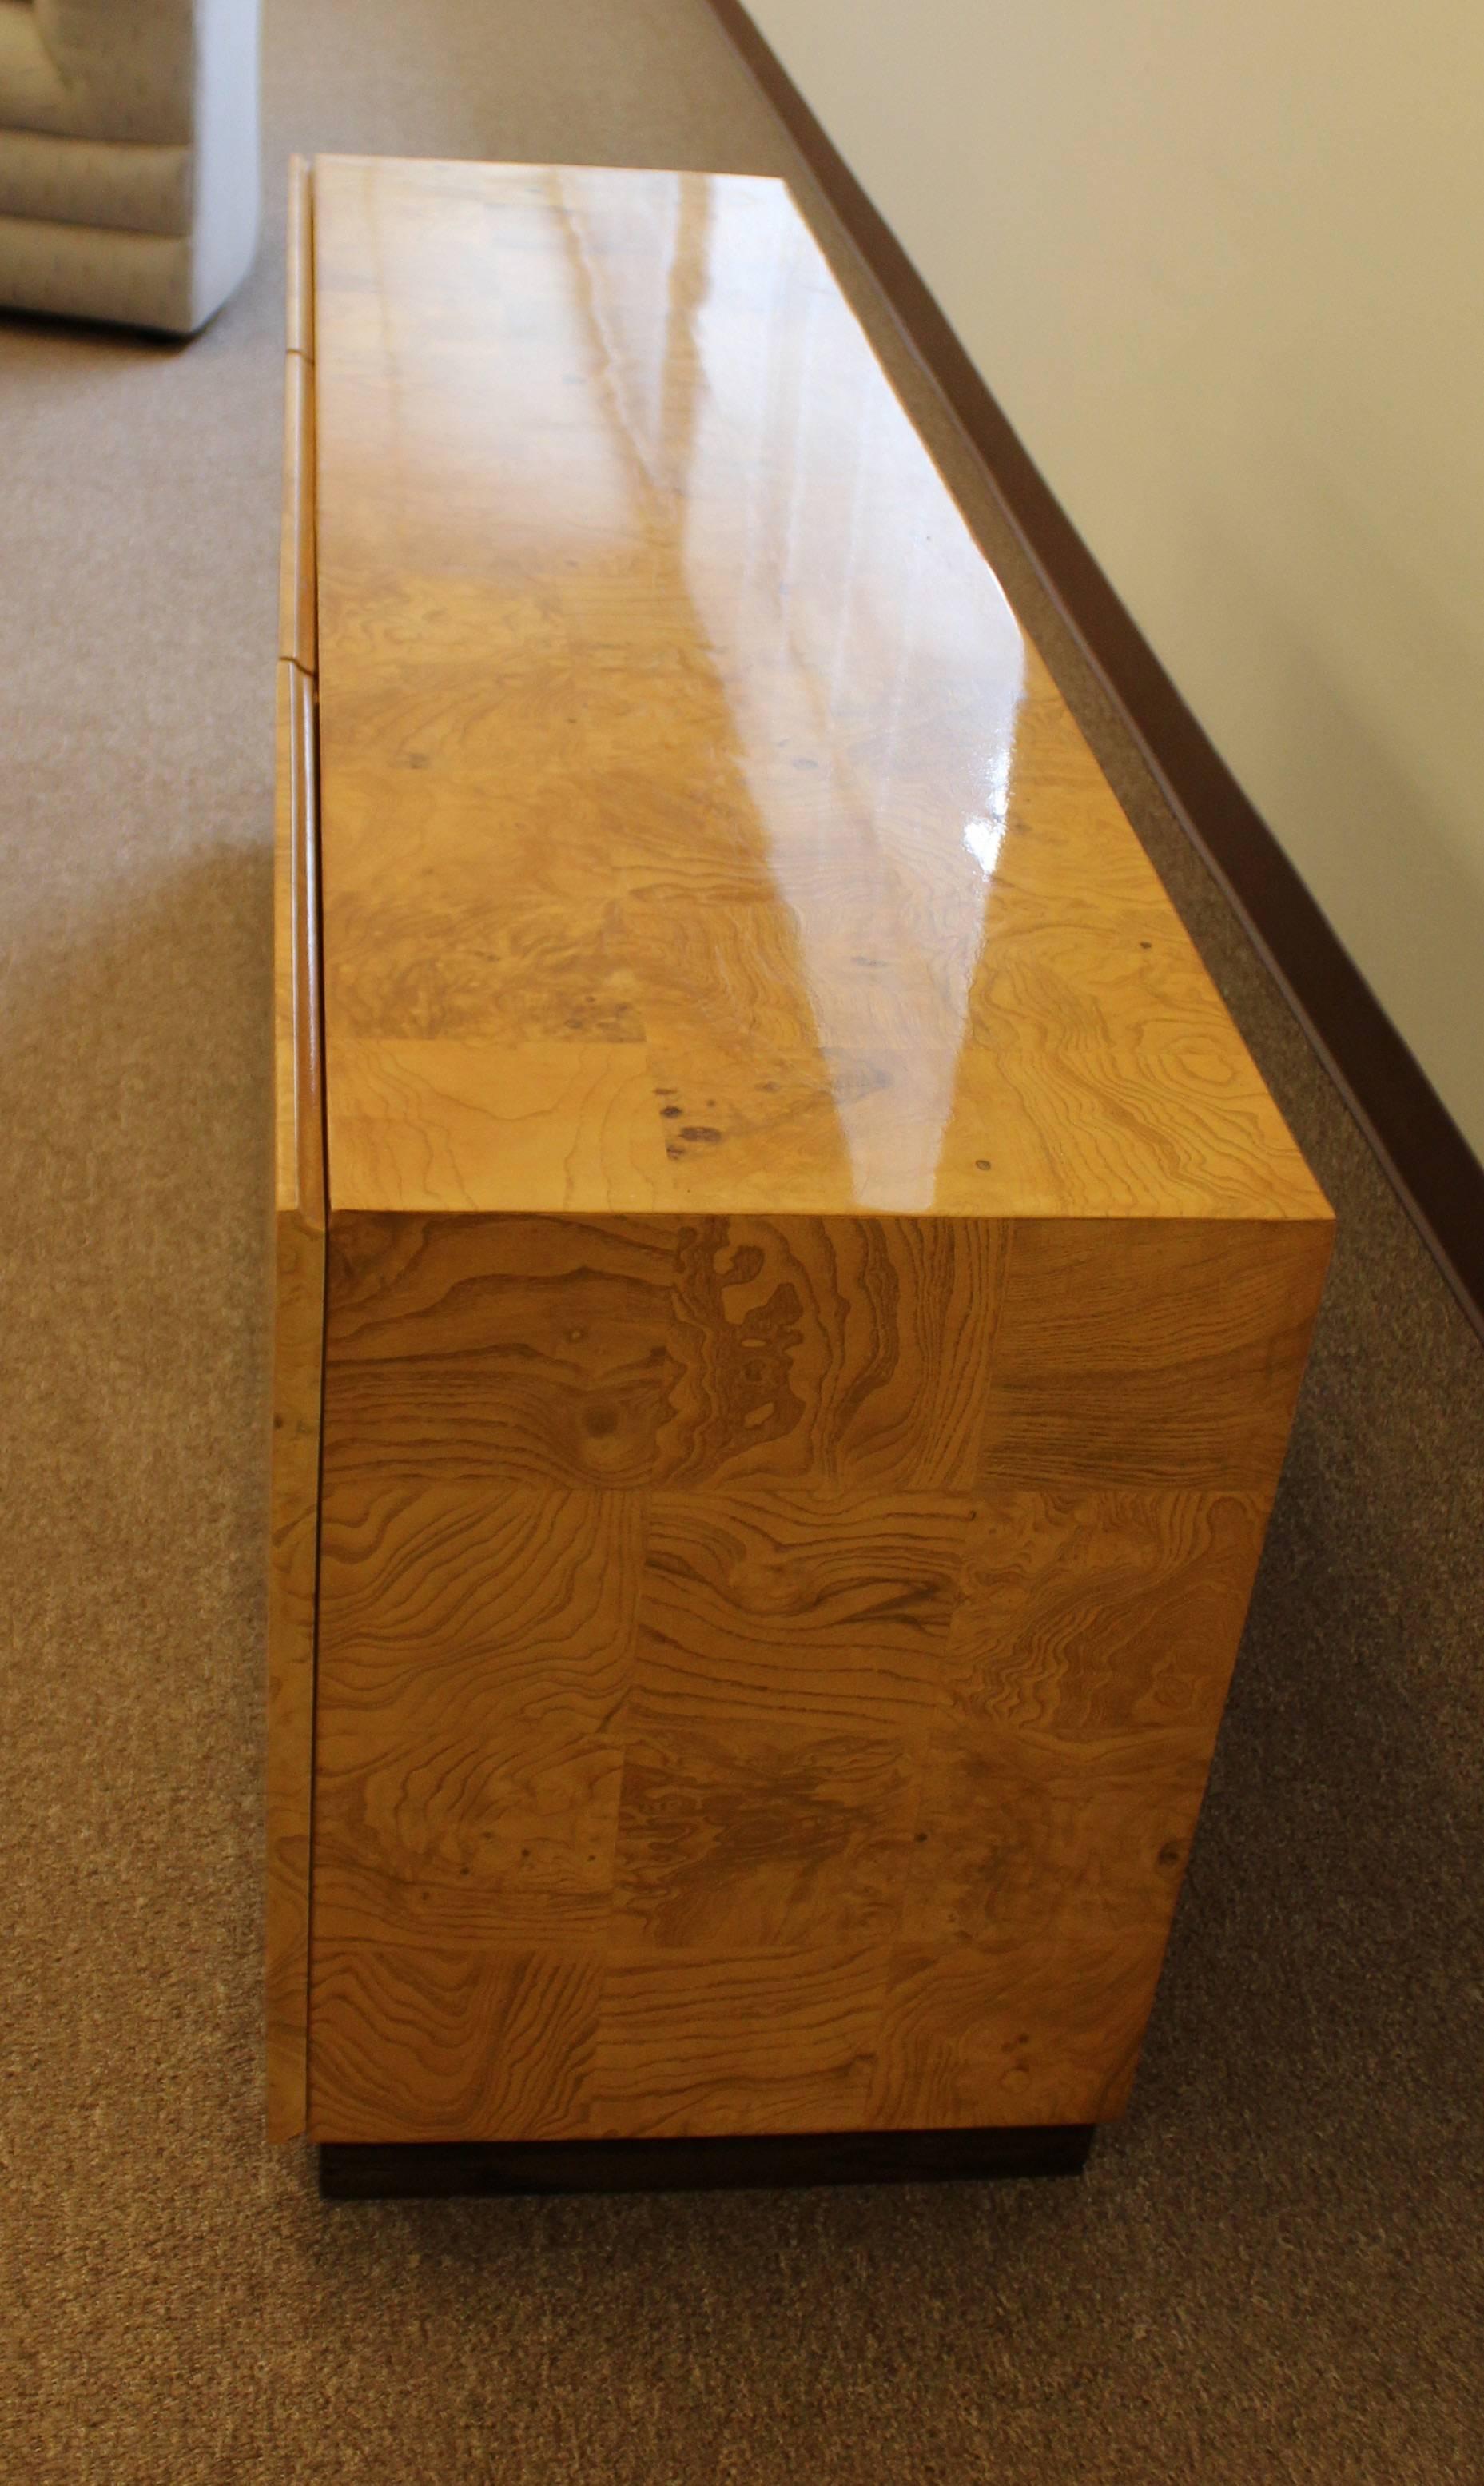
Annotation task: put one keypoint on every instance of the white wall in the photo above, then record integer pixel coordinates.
(1223, 268)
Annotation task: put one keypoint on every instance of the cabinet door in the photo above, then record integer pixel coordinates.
(299, 1223)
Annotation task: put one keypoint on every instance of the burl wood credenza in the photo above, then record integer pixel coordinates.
(792, 1291)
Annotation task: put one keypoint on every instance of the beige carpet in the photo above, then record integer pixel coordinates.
(1271, 2271)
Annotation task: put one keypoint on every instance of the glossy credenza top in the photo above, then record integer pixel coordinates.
(700, 831)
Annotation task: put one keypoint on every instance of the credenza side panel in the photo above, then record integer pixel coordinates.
(1145, 1383)
(769, 1666)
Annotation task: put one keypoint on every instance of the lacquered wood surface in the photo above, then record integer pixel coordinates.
(815, 1289)
(299, 1222)
(297, 619)
(299, 261)
(700, 832)
(742, 1706)
(298, 1350)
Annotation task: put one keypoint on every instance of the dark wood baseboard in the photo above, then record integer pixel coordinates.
(1424, 1153)
(428, 2170)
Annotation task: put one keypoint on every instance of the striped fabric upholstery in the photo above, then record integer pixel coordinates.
(128, 157)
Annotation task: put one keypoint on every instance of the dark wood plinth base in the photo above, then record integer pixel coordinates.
(352, 2170)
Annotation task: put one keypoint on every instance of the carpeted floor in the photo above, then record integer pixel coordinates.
(1271, 2271)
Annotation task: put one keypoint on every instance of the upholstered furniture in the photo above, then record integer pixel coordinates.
(791, 1289)
(129, 158)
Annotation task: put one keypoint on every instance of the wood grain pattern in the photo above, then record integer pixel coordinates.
(628, 1353)
(479, 1658)
(1014, 2029)
(1091, 1653)
(816, 1289)
(298, 624)
(718, 2040)
(299, 272)
(701, 831)
(788, 1665)
(1155, 1354)
(298, 1342)
(642, 1541)
(414, 2041)
(753, 1653)
(300, 1222)
(298, 1082)
(297, 621)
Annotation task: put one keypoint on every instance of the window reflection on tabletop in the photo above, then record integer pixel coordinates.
(743, 850)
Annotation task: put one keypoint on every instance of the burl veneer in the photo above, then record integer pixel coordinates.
(813, 1287)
